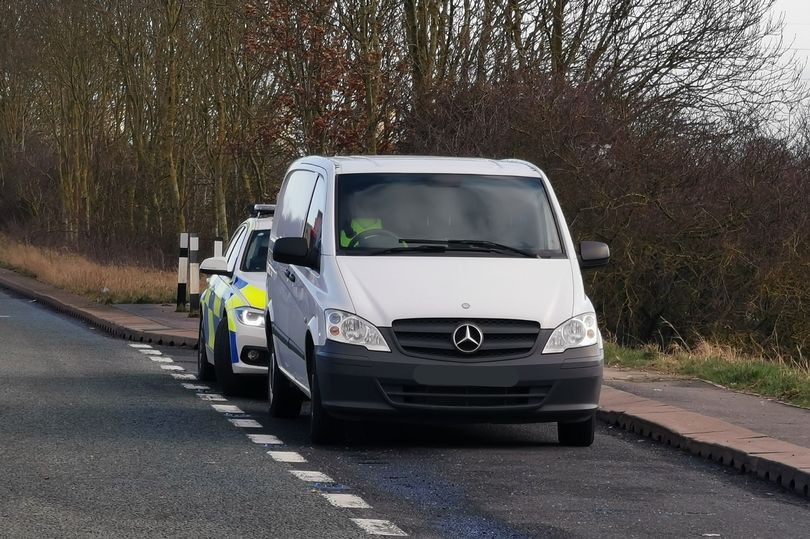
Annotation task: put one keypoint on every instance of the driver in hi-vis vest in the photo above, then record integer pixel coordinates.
(356, 227)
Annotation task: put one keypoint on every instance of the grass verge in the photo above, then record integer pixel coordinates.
(779, 379)
(102, 283)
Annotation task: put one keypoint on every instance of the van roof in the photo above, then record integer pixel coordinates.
(358, 164)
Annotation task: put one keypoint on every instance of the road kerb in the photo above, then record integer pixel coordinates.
(783, 463)
(109, 319)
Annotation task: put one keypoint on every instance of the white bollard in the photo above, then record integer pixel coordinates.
(218, 244)
(194, 275)
(182, 272)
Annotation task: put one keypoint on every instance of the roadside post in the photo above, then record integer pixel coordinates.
(218, 244)
(194, 275)
(182, 273)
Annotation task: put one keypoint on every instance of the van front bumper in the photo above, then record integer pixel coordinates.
(356, 383)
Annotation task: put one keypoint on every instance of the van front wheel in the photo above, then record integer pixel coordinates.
(577, 434)
(284, 399)
(323, 428)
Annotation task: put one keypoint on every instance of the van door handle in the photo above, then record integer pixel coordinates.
(290, 275)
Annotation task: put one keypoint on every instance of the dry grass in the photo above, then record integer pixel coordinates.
(106, 284)
(781, 378)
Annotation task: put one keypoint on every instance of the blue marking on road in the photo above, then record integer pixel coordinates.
(419, 486)
(330, 487)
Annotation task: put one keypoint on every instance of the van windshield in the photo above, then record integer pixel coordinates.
(444, 214)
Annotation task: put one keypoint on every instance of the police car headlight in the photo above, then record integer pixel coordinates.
(351, 329)
(577, 332)
(250, 316)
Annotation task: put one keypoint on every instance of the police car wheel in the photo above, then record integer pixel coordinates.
(205, 371)
(222, 360)
(284, 399)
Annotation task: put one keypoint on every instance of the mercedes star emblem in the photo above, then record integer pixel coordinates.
(468, 338)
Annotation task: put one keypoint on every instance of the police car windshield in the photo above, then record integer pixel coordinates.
(256, 252)
(445, 215)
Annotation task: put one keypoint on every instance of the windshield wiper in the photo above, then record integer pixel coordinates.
(491, 245)
(431, 248)
(480, 244)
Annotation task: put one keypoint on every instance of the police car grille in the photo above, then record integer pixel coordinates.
(433, 338)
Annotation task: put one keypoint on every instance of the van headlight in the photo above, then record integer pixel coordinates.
(577, 332)
(351, 329)
(250, 316)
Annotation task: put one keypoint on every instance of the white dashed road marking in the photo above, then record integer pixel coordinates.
(312, 477)
(349, 501)
(212, 397)
(227, 408)
(172, 368)
(374, 526)
(246, 423)
(263, 439)
(286, 456)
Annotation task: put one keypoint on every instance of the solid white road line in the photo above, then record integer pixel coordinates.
(263, 439)
(349, 501)
(199, 387)
(140, 346)
(246, 423)
(183, 376)
(227, 408)
(286, 456)
(373, 526)
(212, 397)
(172, 368)
(313, 477)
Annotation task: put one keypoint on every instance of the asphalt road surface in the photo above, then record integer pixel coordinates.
(99, 439)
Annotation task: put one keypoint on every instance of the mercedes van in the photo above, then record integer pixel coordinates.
(429, 289)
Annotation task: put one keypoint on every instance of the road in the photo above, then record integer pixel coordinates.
(98, 439)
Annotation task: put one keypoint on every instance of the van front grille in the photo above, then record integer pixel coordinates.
(433, 338)
(465, 396)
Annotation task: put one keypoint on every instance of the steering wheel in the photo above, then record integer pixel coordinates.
(371, 233)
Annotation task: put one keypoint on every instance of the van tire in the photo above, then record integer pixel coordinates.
(578, 434)
(222, 360)
(284, 399)
(205, 371)
(323, 428)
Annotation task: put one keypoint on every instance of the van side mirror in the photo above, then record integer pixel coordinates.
(293, 251)
(216, 265)
(593, 254)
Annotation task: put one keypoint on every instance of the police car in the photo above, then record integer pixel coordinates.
(232, 341)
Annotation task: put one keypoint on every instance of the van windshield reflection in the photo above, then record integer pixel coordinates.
(445, 214)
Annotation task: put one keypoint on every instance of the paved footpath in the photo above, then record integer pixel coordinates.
(752, 434)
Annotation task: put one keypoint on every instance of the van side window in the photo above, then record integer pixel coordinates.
(233, 248)
(314, 225)
(295, 196)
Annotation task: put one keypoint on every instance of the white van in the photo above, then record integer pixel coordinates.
(429, 289)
